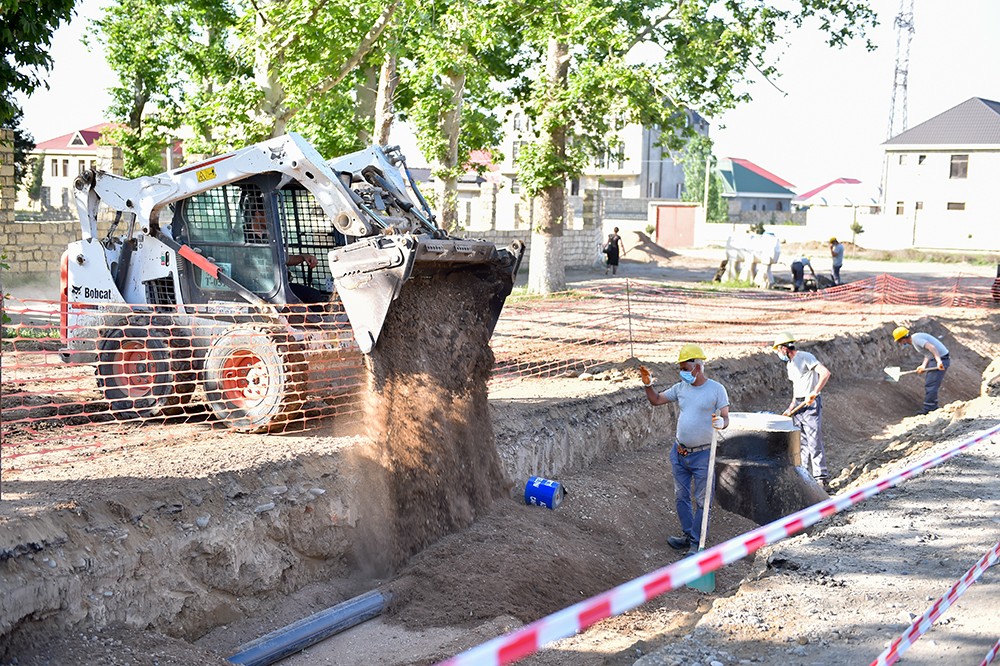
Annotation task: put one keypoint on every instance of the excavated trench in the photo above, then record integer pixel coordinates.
(260, 531)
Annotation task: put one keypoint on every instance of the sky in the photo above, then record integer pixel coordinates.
(827, 121)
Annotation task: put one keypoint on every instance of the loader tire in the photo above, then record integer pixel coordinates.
(253, 378)
(134, 372)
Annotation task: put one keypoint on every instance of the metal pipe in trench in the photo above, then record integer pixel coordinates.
(299, 635)
(758, 472)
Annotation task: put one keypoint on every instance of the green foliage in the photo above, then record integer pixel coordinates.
(25, 35)
(142, 150)
(856, 229)
(697, 152)
(34, 186)
(757, 228)
(650, 229)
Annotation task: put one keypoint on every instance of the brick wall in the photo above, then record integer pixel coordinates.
(581, 247)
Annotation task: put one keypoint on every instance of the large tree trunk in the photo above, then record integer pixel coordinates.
(547, 266)
(451, 125)
(266, 77)
(364, 104)
(385, 101)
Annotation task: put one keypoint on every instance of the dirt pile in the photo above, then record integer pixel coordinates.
(428, 414)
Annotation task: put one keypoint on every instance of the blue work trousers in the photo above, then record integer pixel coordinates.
(690, 477)
(932, 384)
(809, 420)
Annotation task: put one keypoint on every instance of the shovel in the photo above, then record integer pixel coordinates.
(892, 374)
(706, 582)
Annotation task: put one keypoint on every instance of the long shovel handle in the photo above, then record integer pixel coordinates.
(709, 482)
(798, 407)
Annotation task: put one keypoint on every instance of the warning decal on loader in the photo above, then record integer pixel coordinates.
(205, 174)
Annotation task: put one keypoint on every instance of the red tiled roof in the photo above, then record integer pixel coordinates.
(839, 181)
(90, 135)
(761, 171)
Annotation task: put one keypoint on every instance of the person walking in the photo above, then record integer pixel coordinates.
(703, 405)
(808, 377)
(837, 254)
(611, 249)
(931, 348)
(798, 273)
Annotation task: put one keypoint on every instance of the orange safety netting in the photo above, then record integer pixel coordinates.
(78, 380)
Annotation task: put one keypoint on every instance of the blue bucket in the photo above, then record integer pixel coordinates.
(543, 492)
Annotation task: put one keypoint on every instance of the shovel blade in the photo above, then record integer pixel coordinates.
(704, 583)
(892, 374)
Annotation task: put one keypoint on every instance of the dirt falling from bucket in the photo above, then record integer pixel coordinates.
(428, 415)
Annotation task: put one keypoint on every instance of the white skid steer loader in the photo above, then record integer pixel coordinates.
(235, 274)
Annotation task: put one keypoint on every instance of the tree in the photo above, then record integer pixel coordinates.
(25, 35)
(238, 74)
(697, 153)
(34, 186)
(24, 143)
(452, 85)
(586, 85)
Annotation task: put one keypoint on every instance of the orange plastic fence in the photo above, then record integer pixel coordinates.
(79, 381)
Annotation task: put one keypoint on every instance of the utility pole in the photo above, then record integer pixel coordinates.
(904, 36)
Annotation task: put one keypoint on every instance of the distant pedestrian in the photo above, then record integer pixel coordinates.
(837, 254)
(798, 273)
(808, 377)
(704, 405)
(611, 249)
(931, 348)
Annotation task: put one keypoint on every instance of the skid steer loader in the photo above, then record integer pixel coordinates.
(257, 275)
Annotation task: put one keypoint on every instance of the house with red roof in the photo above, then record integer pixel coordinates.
(65, 158)
(839, 192)
(749, 188)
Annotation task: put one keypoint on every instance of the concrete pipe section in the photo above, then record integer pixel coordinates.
(757, 467)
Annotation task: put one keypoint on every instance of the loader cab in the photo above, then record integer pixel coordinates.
(273, 240)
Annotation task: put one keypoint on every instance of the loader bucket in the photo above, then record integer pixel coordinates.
(370, 273)
(758, 472)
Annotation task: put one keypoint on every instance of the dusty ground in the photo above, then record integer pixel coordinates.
(834, 596)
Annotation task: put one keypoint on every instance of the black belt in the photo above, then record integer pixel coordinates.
(684, 450)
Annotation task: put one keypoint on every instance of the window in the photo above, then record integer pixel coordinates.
(516, 150)
(93, 164)
(902, 159)
(763, 206)
(952, 205)
(514, 187)
(755, 206)
(959, 166)
(778, 206)
(55, 168)
(919, 205)
(517, 122)
(899, 208)
(65, 168)
(921, 158)
(81, 166)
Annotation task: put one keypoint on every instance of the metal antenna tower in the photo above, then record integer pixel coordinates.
(904, 36)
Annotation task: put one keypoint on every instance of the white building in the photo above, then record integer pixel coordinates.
(940, 178)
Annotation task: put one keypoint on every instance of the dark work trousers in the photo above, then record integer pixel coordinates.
(798, 276)
(810, 421)
(932, 384)
(836, 273)
(690, 483)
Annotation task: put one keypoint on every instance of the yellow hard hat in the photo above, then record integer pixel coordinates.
(833, 239)
(689, 352)
(900, 332)
(784, 338)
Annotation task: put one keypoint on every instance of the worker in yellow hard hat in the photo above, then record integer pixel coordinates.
(931, 348)
(703, 406)
(837, 254)
(809, 378)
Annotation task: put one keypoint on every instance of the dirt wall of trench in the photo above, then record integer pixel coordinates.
(182, 553)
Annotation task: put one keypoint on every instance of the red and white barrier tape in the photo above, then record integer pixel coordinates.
(930, 616)
(569, 621)
(991, 655)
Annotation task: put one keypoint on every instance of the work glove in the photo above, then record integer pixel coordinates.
(718, 422)
(644, 374)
